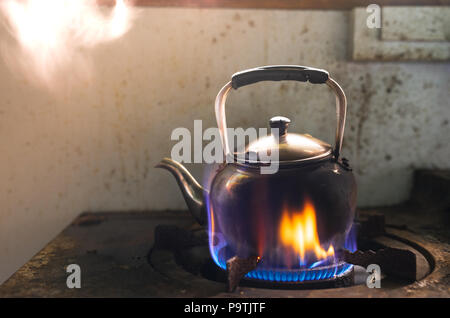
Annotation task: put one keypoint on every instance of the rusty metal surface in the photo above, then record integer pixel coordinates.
(404, 265)
(112, 248)
(237, 268)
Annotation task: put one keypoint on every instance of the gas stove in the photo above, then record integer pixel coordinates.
(166, 254)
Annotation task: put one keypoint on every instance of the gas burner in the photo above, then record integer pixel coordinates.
(381, 244)
(329, 276)
(288, 276)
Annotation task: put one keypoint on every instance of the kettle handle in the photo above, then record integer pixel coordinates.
(281, 73)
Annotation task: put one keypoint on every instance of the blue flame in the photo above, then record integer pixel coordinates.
(350, 240)
(293, 275)
(301, 275)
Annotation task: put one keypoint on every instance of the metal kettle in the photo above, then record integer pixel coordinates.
(244, 207)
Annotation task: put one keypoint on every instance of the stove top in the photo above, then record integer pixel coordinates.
(163, 254)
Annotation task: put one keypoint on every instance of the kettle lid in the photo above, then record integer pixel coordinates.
(292, 148)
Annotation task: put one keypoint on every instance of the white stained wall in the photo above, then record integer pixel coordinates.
(92, 145)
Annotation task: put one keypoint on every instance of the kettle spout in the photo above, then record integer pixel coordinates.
(191, 189)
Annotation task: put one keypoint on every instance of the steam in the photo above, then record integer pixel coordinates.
(51, 39)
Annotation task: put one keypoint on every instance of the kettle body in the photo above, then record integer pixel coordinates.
(246, 207)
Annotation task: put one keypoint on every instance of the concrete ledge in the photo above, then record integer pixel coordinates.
(431, 24)
(398, 25)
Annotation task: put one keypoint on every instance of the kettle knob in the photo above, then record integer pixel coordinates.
(280, 122)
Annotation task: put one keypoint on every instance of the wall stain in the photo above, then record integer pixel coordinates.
(363, 113)
(304, 30)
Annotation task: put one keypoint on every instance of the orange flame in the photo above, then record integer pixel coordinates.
(298, 231)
